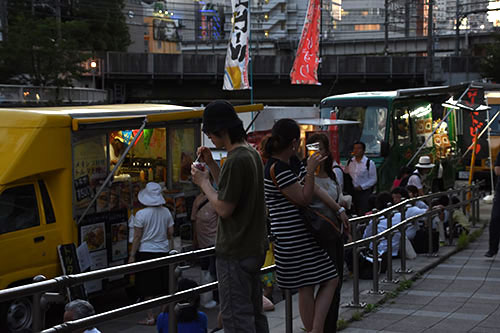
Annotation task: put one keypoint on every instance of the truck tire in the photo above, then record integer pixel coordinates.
(17, 315)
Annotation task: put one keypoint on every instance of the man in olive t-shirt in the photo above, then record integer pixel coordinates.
(241, 241)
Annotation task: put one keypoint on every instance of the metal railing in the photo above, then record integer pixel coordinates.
(43, 289)
(33, 95)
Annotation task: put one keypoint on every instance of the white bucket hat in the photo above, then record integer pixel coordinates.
(151, 195)
(425, 162)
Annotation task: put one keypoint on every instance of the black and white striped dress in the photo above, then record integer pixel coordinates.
(300, 261)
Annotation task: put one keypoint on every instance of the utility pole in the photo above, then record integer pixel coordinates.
(3, 20)
(386, 27)
(430, 41)
(58, 21)
(457, 29)
(407, 18)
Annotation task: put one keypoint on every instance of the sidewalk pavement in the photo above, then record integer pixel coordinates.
(458, 270)
(457, 291)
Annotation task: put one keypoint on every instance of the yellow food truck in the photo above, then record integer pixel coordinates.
(70, 176)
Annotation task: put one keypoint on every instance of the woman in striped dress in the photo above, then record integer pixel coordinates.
(301, 263)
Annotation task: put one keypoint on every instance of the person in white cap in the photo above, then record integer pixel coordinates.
(153, 227)
(423, 167)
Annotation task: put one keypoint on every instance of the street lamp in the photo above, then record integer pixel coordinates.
(93, 65)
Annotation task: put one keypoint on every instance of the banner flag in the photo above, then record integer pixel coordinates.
(235, 69)
(305, 66)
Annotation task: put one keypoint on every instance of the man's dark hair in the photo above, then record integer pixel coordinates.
(236, 134)
(401, 191)
(412, 189)
(383, 199)
(360, 143)
(444, 200)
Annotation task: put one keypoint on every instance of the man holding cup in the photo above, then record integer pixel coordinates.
(241, 242)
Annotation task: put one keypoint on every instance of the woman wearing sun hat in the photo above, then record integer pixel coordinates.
(423, 167)
(153, 227)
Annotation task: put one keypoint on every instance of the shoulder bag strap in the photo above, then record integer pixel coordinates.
(273, 177)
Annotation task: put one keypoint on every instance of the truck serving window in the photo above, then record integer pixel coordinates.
(18, 209)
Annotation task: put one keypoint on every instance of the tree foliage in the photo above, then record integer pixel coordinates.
(37, 52)
(490, 65)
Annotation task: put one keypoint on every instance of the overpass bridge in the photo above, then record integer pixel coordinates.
(416, 45)
(197, 78)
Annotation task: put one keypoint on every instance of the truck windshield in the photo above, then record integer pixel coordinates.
(370, 130)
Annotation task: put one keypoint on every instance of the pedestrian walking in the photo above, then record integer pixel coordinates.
(495, 216)
(364, 177)
(301, 263)
(241, 242)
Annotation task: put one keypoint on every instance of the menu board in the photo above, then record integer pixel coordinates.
(106, 237)
(89, 170)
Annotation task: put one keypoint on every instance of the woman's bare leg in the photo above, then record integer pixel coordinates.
(306, 306)
(322, 304)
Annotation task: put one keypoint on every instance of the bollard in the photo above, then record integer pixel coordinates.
(37, 309)
(288, 311)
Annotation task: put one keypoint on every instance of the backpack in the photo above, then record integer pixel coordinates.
(404, 181)
(348, 186)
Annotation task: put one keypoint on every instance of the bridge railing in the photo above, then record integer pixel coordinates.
(190, 64)
(39, 289)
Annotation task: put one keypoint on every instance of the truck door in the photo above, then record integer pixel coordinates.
(28, 234)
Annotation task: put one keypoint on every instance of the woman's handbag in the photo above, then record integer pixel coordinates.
(323, 229)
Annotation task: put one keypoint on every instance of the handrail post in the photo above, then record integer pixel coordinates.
(288, 311)
(402, 245)
(37, 308)
(172, 285)
(429, 236)
(355, 269)
(464, 198)
(389, 278)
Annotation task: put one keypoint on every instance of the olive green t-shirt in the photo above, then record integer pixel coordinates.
(241, 182)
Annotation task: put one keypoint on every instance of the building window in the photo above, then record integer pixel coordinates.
(283, 7)
(266, 33)
(283, 25)
(367, 27)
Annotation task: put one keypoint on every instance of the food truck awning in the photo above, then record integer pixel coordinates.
(97, 117)
(325, 122)
(30, 134)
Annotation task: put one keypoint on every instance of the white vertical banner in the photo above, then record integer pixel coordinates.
(236, 67)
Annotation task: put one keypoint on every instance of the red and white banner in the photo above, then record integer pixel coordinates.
(305, 66)
(235, 71)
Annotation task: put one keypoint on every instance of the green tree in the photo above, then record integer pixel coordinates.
(490, 65)
(108, 29)
(32, 53)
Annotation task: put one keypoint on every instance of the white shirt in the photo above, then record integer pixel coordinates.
(416, 180)
(396, 238)
(92, 330)
(339, 174)
(360, 175)
(155, 221)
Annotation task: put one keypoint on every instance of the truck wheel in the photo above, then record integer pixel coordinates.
(19, 314)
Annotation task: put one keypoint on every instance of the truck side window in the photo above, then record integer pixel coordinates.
(50, 217)
(403, 134)
(18, 209)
